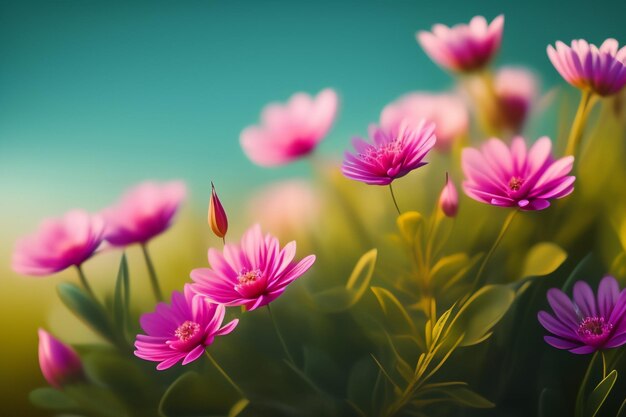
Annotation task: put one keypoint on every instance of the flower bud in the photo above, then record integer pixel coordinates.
(59, 363)
(217, 216)
(449, 199)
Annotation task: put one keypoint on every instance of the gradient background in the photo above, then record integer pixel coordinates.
(96, 96)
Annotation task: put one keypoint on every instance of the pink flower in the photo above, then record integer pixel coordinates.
(253, 274)
(181, 330)
(59, 244)
(393, 154)
(463, 47)
(515, 176)
(447, 111)
(516, 89)
(603, 70)
(143, 212)
(449, 199)
(292, 131)
(59, 363)
(586, 323)
(217, 215)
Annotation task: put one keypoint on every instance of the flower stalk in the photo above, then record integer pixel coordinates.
(154, 280)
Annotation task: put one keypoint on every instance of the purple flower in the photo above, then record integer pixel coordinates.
(144, 212)
(253, 274)
(515, 176)
(393, 154)
(59, 244)
(585, 66)
(587, 323)
(59, 363)
(449, 198)
(181, 330)
(463, 47)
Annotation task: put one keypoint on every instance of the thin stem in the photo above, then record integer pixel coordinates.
(280, 336)
(224, 374)
(580, 397)
(154, 281)
(83, 281)
(224, 240)
(603, 364)
(507, 222)
(578, 126)
(395, 203)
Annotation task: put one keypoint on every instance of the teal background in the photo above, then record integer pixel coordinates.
(97, 96)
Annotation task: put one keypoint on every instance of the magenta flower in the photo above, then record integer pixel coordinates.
(392, 155)
(181, 330)
(463, 47)
(59, 363)
(449, 199)
(291, 131)
(585, 66)
(252, 274)
(587, 323)
(515, 89)
(515, 176)
(143, 212)
(447, 111)
(59, 244)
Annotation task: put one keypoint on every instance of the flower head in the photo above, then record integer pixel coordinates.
(143, 212)
(180, 331)
(464, 47)
(59, 363)
(514, 176)
(393, 153)
(447, 111)
(217, 215)
(585, 66)
(515, 89)
(449, 199)
(59, 244)
(291, 131)
(587, 323)
(253, 274)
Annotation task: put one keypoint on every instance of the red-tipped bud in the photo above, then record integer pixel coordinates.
(449, 199)
(217, 216)
(59, 363)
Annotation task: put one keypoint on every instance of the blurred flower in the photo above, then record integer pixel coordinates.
(252, 274)
(392, 155)
(59, 363)
(144, 211)
(515, 89)
(217, 215)
(463, 47)
(181, 330)
(291, 131)
(59, 244)
(286, 207)
(515, 176)
(447, 111)
(449, 198)
(586, 323)
(585, 66)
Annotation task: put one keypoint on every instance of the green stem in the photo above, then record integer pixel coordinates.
(580, 120)
(154, 281)
(603, 364)
(83, 281)
(580, 398)
(507, 222)
(280, 336)
(224, 374)
(393, 197)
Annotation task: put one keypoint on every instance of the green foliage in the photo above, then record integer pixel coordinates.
(599, 394)
(86, 308)
(543, 259)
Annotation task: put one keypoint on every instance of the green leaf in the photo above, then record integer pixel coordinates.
(52, 399)
(79, 302)
(465, 396)
(339, 299)
(410, 224)
(590, 266)
(121, 299)
(543, 259)
(393, 308)
(239, 406)
(482, 311)
(599, 394)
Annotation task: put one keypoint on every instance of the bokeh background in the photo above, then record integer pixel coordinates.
(97, 96)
